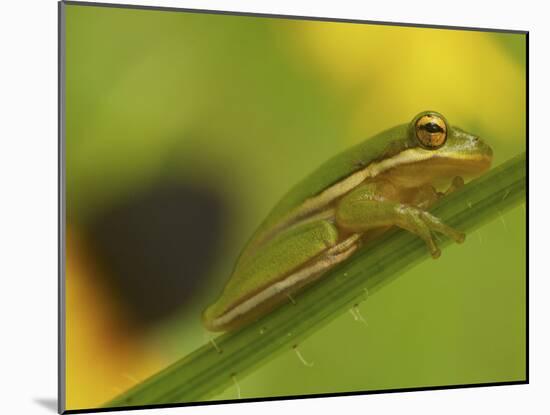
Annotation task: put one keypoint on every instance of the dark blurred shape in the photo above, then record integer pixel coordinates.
(157, 248)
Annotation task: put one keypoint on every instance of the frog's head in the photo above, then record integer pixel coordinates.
(433, 132)
(437, 151)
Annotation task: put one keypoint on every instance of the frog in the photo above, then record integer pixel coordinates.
(389, 180)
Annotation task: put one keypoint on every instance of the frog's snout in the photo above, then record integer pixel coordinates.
(489, 152)
(482, 148)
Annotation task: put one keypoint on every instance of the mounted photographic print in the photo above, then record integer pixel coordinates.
(258, 207)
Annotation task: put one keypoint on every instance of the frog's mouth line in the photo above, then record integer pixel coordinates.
(422, 157)
(466, 166)
(423, 167)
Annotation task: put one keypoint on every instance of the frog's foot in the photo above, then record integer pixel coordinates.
(350, 244)
(456, 184)
(424, 225)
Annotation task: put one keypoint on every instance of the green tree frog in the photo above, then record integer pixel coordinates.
(388, 180)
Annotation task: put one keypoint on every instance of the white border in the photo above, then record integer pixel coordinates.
(28, 219)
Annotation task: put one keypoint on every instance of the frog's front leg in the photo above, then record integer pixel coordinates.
(367, 207)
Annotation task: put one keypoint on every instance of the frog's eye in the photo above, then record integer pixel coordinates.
(431, 131)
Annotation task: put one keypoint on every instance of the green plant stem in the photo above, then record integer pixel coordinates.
(215, 366)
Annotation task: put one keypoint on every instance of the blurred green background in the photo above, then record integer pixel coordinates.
(183, 130)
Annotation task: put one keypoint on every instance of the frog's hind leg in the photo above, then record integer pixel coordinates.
(309, 272)
(322, 263)
(284, 265)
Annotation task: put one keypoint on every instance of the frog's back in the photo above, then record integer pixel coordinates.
(330, 173)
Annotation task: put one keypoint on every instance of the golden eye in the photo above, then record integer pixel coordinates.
(431, 131)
